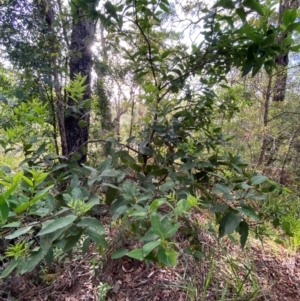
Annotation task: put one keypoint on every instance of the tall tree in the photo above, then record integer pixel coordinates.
(80, 63)
(287, 14)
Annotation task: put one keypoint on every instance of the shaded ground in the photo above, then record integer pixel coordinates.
(226, 273)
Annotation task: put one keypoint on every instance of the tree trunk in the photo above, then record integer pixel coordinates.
(283, 60)
(50, 18)
(83, 31)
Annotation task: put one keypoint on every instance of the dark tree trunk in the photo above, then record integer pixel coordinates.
(83, 30)
(281, 78)
(283, 60)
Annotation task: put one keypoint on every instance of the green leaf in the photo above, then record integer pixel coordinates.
(171, 230)
(289, 16)
(40, 195)
(241, 13)
(77, 193)
(97, 238)
(229, 223)
(244, 232)
(293, 26)
(254, 5)
(19, 232)
(224, 3)
(62, 222)
(4, 210)
(47, 240)
(165, 54)
(256, 180)
(247, 210)
(157, 226)
(136, 254)
(32, 261)
(82, 123)
(85, 245)
(111, 194)
(92, 224)
(247, 67)
(16, 180)
(71, 242)
(9, 268)
(167, 256)
(164, 7)
(12, 225)
(119, 253)
(219, 208)
(147, 248)
(223, 190)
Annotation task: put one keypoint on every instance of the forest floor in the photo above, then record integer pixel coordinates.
(259, 272)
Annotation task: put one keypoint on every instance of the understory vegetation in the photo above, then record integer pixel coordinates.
(149, 136)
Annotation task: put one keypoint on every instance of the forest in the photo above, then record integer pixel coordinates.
(149, 150)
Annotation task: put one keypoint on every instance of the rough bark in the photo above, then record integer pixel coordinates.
(283, 60)
(83, 30)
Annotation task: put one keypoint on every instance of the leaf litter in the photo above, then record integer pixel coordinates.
(265, 273)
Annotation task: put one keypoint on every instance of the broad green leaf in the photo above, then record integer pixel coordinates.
(165, 54)
(293, 26)
(4, 210)
(157, 226)
(229, 223)
(82, 123)
(156, 204)
(147, 248)
(12, 225)
(119, 253)
(224, 3)
(16, 180)
(113, 140)
(241, 13)
(85, 245)
(149, 236)
(111, 194)
(259, 179)
(164, 7)
(289, 16)
(47, 240)
(243, 231)
(92, 224)
(40, 195)
(49, 256)
(199, 255)
(249, 211)
(254, 5)
(32, 261)
(97, 238)
(71, 242)
(136, 254)
(182, 206)
(62, 222)
(167, 256)
(223, 190)
(171, 230)
(9, 268)
(19, 232)
(219, 208)
(77, 193)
